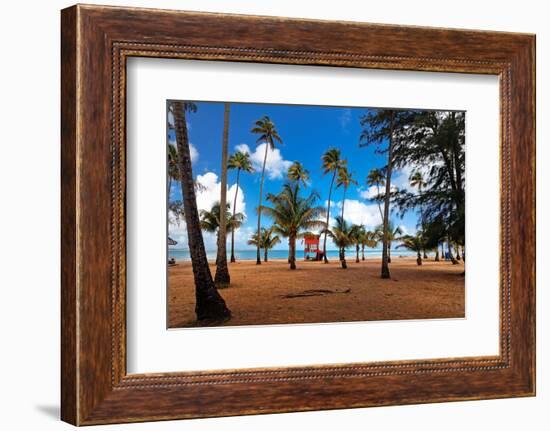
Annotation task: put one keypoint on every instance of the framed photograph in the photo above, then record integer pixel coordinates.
(265, 215)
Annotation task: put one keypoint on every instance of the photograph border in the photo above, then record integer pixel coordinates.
(95, 43)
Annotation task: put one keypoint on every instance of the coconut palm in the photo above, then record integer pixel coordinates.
(340, 235)
(210, 220)
(331, 164)
(379, 129)
(368, 239)
(394, 234)
(209, 305)
(294, 215)
(356, 234)
(297, 172)
(376, 178)
(417, 180)
(222, 277)
(241, 162)
(267, 240)
(414, 243)
(268, 135)
(344, 179)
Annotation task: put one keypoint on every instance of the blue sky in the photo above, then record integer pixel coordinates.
(307, 132)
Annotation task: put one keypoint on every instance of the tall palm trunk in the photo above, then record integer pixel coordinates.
(437, 254)
(222, 278)
(258, 260)
(422, 224)
(328, 217)
(343, 258)
(450, 250)
(234, 210)
(344, 202)
(342, 253)
(357, 253)
(265, 254)
(363, 252)
(418, 259)
(292, 241)
(389, 251)
(209, 304)
(385, 272)
(378, 202)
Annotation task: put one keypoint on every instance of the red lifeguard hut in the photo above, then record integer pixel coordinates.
(311, 250)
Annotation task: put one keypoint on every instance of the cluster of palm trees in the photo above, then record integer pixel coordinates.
(405, 137)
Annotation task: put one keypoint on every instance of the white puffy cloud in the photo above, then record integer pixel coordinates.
(275, 166)
(207, 195)
(192, 150)
(357, 212)
(370, 193)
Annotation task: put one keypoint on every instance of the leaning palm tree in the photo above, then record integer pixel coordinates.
(297, 172)
(414, 243)
(331, 164)
(222, 278)
(267, 240)
(241, 162)
(340, 235)
(345, 179)
(268, 135)
(417, 180)
(294, 216)
(376, 178)
(209, 305)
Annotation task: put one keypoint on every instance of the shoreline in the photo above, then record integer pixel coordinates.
(331, 259)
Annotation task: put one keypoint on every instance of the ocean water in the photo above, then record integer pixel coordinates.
(179, 254)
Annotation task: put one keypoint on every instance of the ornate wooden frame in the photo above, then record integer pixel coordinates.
(95, 42)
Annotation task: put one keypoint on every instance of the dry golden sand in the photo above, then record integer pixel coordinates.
(259, 293)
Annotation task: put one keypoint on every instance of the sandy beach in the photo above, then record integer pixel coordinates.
(272, 294)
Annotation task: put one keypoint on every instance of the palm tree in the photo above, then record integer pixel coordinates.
(345, 179)
(378, 128)
(414, 243)
(340, 235)
(222, 278)
(356, 234)
(417, 180)
(267, 240)
(209, 305)
(297, 172)
(394, 234)
(376, 178)
(173, 167)
(331, 164)
(294, 215)
(368, 239)
(241, 162)
(268, 135)
(211, 220)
